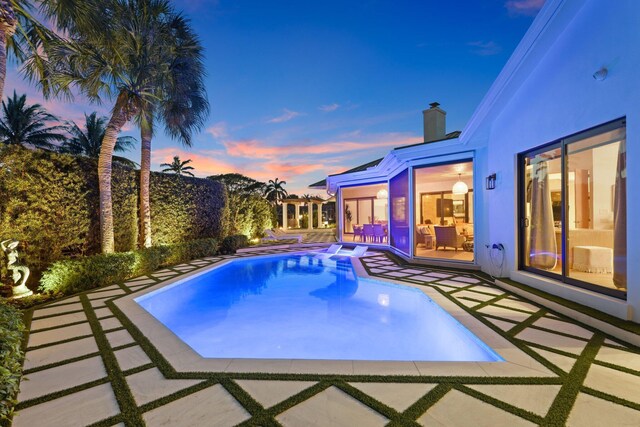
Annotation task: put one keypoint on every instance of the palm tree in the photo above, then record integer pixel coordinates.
(178, 167)
(181, 103)
(115, 59)
(274, 191)
(24, 124)
(88, 141)
(21, 35)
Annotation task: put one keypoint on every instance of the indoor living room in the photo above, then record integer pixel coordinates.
(444, 212)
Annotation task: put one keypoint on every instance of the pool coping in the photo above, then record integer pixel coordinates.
(184, 359)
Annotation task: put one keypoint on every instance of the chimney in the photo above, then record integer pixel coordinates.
(435, 120)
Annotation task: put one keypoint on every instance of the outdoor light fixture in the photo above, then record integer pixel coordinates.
(601, 74)
(491, 182)
(382, 194)
(460, 187)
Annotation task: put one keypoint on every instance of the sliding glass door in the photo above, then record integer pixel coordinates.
(573, 210)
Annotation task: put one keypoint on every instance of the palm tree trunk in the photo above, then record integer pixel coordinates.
(117, 121)
(3, 59)
(145, 172)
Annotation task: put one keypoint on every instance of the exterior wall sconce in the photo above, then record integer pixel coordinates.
(491, 182)
(601, 74)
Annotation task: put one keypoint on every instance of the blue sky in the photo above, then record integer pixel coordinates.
(300, 90)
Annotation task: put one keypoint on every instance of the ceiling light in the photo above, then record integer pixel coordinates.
(460, 187)
(382, 194)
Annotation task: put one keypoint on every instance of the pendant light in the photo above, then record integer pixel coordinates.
(460, 187)
(382, 194)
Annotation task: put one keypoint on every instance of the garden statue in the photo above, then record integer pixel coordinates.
(20, 272)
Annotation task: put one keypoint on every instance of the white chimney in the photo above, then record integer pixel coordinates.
(435, 123)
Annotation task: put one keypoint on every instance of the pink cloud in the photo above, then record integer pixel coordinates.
(524, 7)
(285, 116)
(218, 130)
(252, 148)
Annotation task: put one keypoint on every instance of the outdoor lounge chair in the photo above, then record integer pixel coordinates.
(271, 235)
(329, 252)
(358, 251)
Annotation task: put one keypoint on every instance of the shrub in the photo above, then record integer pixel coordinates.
(185, 208)
(77, 275)
(49, 202)
(11, 355)
(249, 215)
(231, 244)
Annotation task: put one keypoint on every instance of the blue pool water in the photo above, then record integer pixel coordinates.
(301, 307)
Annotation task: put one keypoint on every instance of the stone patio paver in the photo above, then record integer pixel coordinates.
(570, 345)
(614, 382)
(534, 398)
(118, 338)
(56, 310)
(563, 362)
(150, 385)
(397, 396)
(110, 323)
(78, 409)
(213, 407)
(459, 409)
(59, 334)
(269, 393)
(505, 313)
(331, 407)
(61, 320)
(131, 357)
(59, 352)
(61, 378)
(619, 357)
(566, 327)
(591, 411)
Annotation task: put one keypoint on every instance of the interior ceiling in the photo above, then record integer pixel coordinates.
(447, 171)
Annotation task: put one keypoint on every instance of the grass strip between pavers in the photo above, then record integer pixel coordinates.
(561, 407)
(604, 317)
(557, 415)
(128, 407)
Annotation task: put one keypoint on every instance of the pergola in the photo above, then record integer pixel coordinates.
(310, 203)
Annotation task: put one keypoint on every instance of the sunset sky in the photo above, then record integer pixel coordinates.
(299, 90)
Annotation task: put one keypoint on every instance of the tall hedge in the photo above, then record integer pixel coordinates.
(49, 202)
(249, 215)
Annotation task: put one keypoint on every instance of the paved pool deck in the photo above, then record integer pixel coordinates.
(87, 363)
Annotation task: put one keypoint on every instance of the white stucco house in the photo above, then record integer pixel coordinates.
(542, 186)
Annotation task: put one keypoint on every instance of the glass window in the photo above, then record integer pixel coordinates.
(365, 205)
(399, 197)
(573, 206)
(444, 211)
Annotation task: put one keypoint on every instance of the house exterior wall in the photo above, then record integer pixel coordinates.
(545, 92)
(559, 97)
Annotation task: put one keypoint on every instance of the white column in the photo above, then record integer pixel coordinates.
(297, 215)
(284, 215)
(320, 215)
(310, 216)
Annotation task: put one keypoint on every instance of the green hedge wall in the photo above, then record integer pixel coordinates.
(76, 275)
(249, 215)
(49, 202)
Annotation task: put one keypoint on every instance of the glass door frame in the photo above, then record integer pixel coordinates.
(561, 143)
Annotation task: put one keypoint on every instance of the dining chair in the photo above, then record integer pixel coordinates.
(378, 233)
(357, 232)
(367, 231)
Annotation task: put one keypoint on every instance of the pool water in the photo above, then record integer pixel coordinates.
(303, 307)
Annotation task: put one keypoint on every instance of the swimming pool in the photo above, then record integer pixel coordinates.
(304, 307)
